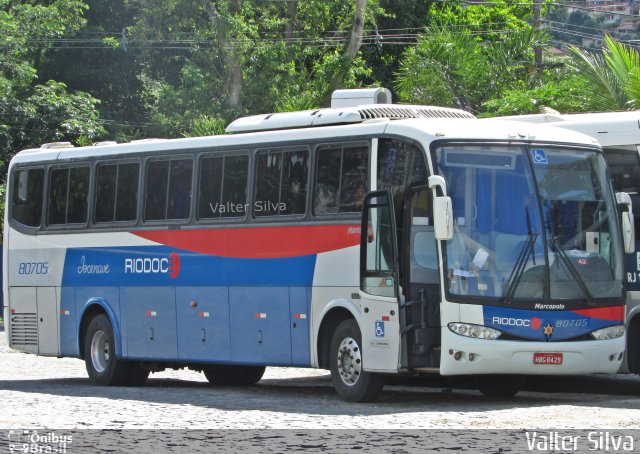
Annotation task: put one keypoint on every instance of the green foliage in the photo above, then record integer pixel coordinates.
(456, 68)
(567, 94)
(206, 126)
(284, 61)
(614, 74)
(30, 112)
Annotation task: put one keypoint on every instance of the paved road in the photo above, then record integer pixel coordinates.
(46, 394)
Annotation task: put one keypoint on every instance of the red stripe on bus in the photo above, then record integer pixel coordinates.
(260, 242)
(614, 313)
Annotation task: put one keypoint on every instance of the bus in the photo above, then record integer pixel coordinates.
(369, 239)
(619, 135)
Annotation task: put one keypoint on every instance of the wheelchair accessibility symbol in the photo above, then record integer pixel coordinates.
(379, 329)
(539, 156)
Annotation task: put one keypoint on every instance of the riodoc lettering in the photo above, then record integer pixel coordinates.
(509, 321)
(156, 265)
(146, 265)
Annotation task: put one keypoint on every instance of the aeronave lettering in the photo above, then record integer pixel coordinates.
(84, 268)
(510, 321)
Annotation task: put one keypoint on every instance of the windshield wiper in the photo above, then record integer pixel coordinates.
(572, 270)
(518, 269)
(521, 262)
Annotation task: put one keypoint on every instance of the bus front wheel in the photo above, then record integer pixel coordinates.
(349, 379)
(499, 386)
(100, 354)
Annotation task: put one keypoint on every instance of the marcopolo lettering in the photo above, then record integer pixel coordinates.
(510, 321)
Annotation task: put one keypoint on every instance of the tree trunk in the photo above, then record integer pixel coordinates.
(352, 49)
(230, 54)
(292, 14)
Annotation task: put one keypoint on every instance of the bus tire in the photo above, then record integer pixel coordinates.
(138, 376)
(228, 375)
(499, 386)
(350, 381)
(100, 354)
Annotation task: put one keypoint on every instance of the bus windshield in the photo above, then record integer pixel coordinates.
(530, 224)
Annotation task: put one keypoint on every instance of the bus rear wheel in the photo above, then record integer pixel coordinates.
(138, 376)
(228, 375)
(100, 354)
(349, 379)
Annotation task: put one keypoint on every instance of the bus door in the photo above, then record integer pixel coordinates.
(379, 285)
(420, 279)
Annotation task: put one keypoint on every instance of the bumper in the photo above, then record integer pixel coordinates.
(480, 356)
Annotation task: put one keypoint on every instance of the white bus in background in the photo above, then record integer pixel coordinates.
(368, 240)
(619, 135)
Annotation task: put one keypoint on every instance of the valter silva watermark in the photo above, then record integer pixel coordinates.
(600, 441)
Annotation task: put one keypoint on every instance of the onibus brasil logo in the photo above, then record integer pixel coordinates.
(156, 265)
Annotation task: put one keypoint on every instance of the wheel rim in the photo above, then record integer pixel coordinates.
(100, 351)
(349, 361)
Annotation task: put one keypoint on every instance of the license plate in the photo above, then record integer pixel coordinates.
(547, 358)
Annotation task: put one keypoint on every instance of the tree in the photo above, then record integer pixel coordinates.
(98, 59)
(243, 57)
(614, 74)
(453, 67)
(32, 112)
(563, 88)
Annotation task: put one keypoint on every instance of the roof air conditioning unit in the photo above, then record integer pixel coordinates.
(360, 96)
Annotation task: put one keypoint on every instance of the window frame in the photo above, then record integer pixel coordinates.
(222, 154)
(368, 143)
(68, 166)
(302, 146)
(114, 222)
(43, 199)
(143, 188)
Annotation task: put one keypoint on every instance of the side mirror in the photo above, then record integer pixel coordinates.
(443, 218)
(628, 232)
(628, 227)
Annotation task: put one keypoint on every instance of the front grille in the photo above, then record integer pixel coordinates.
(513, 337)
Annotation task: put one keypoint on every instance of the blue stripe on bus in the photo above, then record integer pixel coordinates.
(163, 266)
(543, 325)
(175, 306)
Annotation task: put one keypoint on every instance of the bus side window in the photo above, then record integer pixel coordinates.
(354, 178)
(400, 165)
(168, 189)
(625, 172)
(26, 203)
(341, 180)
(179, 197)
(281, 183)
(68, 195)
(116, 196)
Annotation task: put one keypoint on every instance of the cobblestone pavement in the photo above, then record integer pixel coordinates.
(50, 393)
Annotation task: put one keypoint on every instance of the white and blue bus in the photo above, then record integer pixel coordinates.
(619, 135)
(369, 240)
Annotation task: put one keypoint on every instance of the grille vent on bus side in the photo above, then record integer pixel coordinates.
(397, 113)
(24, 330)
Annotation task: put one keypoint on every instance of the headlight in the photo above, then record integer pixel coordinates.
(475, 331)
(612, 332)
